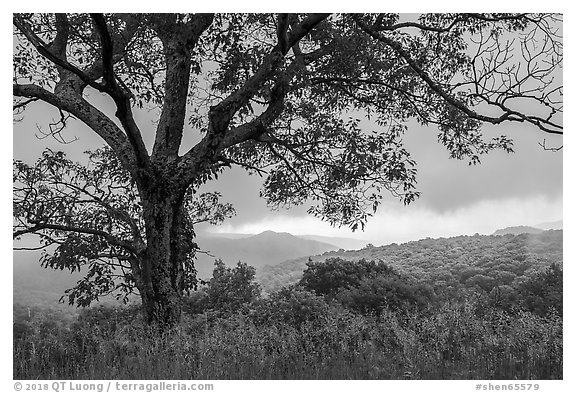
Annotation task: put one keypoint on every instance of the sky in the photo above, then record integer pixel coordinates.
(522, 188)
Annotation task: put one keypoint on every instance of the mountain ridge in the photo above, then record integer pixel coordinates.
(265, 248)
(265, 251)
(538, 228)
(558, 224)
(476, 253)
(340, 242)
(517, 230)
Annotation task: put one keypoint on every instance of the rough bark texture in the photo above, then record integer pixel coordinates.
(162, 261)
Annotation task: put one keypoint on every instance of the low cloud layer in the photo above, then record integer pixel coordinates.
(397, 223)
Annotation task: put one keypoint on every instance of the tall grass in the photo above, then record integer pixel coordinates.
(453, 342)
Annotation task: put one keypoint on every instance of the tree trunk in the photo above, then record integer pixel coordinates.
(162, 263)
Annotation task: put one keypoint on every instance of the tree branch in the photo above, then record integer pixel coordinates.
(120, 97)
(221, 115)
(21, 105)
(282, 32)
(123, 215)
(38, 226)
(107, 51)
(45, 51)
(178, 41)
(508, 115)
(219, 137)
(58, 46)
(92, 117)
(437, 29)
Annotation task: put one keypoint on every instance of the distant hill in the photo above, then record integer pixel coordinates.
(517, 230)
(456, 259)
(266, 248)
(280, 258)
(29, 276)
(538, 228)
(225, 235)
(34, 284)
(341, 242)
(550, 225)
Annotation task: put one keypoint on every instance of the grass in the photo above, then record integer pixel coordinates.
(452, 342)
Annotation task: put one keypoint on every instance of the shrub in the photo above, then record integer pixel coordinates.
(292, 305)
(232, 289)
(328, 277)
(375, 294)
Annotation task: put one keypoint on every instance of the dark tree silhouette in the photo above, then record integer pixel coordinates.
(280, 95)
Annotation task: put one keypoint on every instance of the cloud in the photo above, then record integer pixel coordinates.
(397, 223)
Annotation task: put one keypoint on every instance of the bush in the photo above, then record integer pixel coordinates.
(334, 274)
(375, 294)
(232, 289)
(365, 286)
(292, 305)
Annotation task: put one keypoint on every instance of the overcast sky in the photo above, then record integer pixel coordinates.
(522, 188)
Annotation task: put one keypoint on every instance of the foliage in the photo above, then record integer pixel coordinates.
(279, 95)
(543, 291)
(365, 286)
(101, 202)
(452, 343)
(375, 294)
(293, 306)
(231, 289)
(328, 277)
(452, 267)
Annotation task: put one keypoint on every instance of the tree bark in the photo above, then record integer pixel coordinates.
(162, 262)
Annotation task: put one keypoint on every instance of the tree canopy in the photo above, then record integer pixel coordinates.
(282, 96)
(95, 220)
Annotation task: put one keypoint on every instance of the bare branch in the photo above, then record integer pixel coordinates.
(56, 128)
(22, 104)
(545, 124)
(553, 149)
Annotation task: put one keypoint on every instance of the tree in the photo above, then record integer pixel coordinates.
(543, 291)
(364, 286)
(91, 216)
(231, 289)
(334, 274)
(385, 291)
(281, 96)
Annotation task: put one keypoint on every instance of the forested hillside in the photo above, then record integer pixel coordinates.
(469, 307)
(447, 264)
